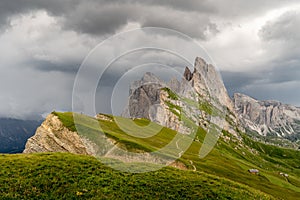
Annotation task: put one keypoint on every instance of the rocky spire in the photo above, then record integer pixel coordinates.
(149, 100)
(187, 74)
(208, 82)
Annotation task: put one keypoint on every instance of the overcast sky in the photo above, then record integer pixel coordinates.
(255, 45)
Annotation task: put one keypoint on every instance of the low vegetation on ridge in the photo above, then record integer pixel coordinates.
(222, 174)
(230, 159)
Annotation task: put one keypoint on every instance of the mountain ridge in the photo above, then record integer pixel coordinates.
(204, 85)
(268, 118)
(14, 134)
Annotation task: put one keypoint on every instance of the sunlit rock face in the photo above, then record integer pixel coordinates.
(268, 117)
(53, 136)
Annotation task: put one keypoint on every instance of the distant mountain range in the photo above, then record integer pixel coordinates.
(14, 134)
(271, 119)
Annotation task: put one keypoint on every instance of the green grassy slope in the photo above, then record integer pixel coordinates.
(229, 159)
(67, 176)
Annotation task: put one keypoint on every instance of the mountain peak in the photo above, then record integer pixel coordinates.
(208, 82)
(200, 64)
(150, 99)
(150, 77)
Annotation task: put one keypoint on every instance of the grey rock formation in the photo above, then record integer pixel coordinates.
(200, 96)
(187, 74)
(148, 92)
(53, 136)
(268, 118)
(208, 82)
(174, 85)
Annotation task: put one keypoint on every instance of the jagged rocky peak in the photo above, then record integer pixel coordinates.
(200, 64)
(142, 95)
(161, 102)
(208, 82)
(268, 117)
(208, 70)
(148, 79)
(151, 78)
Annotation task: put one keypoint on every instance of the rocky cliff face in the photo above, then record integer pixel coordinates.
(200, 97)
(208, 82)
(268, 118)
(53, 136)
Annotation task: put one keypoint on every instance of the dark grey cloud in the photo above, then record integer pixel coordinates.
(203, 28)
(224, 9)
(281, 38)
(106, 17)
(236, 81)
(204, 6)
(98, 18)
(49, 66)
(42, 60)
(285, 73)
(278, 83)
(9, 8)
(28, 93)
(102, 17)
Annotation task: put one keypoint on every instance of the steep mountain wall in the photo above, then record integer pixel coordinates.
(200, 97)
(53, 136)
(268, 118)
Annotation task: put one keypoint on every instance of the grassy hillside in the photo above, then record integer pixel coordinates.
(67, 176)
(231, 158)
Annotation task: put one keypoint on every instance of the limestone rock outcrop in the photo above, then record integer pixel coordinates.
(268, 118)
(53, 136)
(200, 96)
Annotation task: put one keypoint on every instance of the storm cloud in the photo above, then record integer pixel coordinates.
(255, 45)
